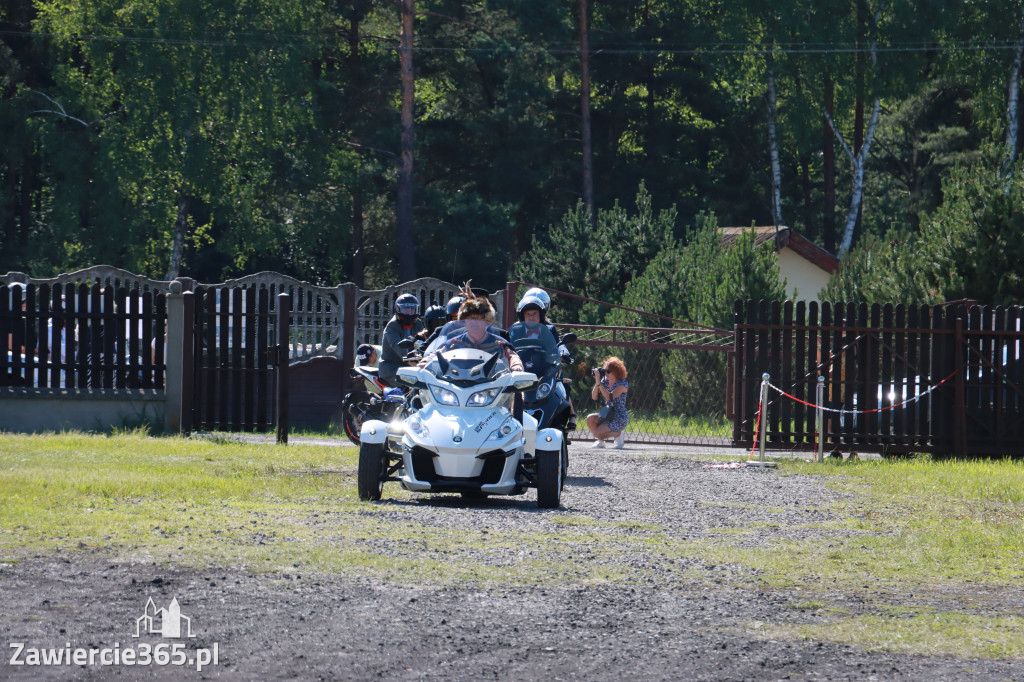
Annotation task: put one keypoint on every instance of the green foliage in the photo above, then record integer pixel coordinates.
(269, 131)
(916, 146)
(880, 270)
(597, 261)
(699, 280)
(969, 247)
(973, 245)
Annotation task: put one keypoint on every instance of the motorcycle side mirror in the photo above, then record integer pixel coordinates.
(408, 381)
(569, 338)
(524, 381)
(409, 376)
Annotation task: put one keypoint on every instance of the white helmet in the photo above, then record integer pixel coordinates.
(541, 294)
(531, 302)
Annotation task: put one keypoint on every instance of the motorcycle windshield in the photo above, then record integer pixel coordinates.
(467, 345)
(477, 334)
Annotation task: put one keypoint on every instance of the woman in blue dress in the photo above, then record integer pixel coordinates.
(610, 384)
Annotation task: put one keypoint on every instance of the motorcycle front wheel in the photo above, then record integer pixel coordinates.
(356, 408)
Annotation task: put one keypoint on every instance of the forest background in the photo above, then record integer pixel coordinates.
(590, 146)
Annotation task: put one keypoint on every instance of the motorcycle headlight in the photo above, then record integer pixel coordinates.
(443, 395)
(416, 425)
(544, 390)
(481, 398)
(507, 428)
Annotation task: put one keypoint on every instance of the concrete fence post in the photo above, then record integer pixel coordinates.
(174, 355)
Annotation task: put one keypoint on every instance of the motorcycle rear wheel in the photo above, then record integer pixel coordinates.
(355, 409)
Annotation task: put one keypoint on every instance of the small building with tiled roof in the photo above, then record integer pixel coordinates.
(805, 266)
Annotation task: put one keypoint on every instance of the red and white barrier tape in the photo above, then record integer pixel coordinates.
(878, 409)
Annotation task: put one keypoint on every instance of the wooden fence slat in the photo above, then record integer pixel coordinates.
(814, 371)
(41, 351)
(6, 329)
(901, 376)
(58, 337)
(221, 311)
(264, 399)
(785, 380)
(30, 338)
(235, 360)
(249, 363)
(800, 375)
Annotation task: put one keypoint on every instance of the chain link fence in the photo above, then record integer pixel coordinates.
(678, 381)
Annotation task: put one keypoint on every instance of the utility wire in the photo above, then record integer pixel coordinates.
(281, 40)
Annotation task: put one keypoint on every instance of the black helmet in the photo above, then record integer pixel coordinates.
(434, 317)
(531, 302)
(452, 308)
(407, 307)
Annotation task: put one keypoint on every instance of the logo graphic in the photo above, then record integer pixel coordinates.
(163, 622)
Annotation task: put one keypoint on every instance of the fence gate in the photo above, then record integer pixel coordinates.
(678, 381)
(241, 360)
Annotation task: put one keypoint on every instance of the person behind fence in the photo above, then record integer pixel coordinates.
(404, 325)
(610, 389)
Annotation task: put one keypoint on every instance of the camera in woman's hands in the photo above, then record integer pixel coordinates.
(599, 372)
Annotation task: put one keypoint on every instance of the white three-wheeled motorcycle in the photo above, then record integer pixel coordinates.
(465, 436)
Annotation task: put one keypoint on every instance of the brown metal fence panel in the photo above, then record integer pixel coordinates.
(81, 336)
(898, 378)
(235, 358)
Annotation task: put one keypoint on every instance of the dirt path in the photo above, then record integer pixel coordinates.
(657, 627)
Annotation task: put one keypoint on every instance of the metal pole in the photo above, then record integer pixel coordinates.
(761, 411)
(820, 401)
(284, 305)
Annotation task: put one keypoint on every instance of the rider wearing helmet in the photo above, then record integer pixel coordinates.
(533, 307)
(434, 319)
(451, 313)
(405, 324)
(452, 307)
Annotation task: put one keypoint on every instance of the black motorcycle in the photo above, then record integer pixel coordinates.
(370, 398)
(548, 402)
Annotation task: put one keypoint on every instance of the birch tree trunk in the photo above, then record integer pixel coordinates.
(178, 244)
(1012, 103)
(405, 231)
(859, 158)
(773, 146)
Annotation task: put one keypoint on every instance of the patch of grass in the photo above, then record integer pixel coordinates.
(923, 632)
(270, 509)
(656, 423)
(592, 522)
(915, 522)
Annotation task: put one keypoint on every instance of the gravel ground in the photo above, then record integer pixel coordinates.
(296, 626)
